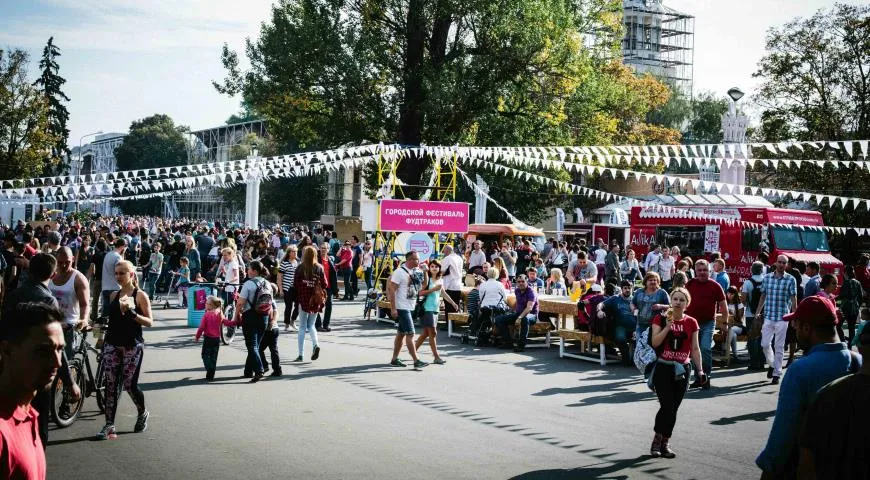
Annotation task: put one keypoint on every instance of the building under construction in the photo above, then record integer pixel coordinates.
(207, 146)
(659, 40)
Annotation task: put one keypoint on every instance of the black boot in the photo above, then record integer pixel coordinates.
(666, 448)
(655, 450)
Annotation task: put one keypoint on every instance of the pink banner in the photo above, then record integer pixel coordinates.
(420, 216)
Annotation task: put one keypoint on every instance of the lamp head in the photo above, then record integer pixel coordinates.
(735, 93)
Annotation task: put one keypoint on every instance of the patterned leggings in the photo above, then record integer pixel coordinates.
(122, 363)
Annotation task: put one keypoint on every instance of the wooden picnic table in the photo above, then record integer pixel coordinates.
(558, 305)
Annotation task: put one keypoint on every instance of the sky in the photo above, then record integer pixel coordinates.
(128, 59)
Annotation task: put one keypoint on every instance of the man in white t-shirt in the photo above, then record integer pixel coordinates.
(477, 257)
(666, 268)
(402, 293)
(650, 262)
(451, 266)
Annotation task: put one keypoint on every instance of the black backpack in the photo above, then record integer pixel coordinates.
(755, 295)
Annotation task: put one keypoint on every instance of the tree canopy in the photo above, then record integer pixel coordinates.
(815, 85)
(25, 136)
(154, 141)
(475, 72)
(50, 83)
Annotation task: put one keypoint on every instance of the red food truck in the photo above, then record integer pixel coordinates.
(772, 229)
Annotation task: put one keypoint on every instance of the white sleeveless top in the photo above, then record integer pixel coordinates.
(66, 298)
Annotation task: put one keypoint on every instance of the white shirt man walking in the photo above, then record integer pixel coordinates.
(402, 292)
(110, 285)
(451, 266)
(778, 298)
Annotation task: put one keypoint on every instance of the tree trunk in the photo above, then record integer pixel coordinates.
(411, 115)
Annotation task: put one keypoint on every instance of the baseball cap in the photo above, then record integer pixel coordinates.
(856, 340)
(816, 310)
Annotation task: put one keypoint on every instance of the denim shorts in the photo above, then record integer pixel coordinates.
(429, 320)
(405, 324)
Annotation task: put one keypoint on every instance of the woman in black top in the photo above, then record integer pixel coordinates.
(129, 311)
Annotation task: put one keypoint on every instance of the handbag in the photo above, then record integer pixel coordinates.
(644, 354)
(318, 296)
(360, 272)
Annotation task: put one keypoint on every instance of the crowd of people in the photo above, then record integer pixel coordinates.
(58, 279)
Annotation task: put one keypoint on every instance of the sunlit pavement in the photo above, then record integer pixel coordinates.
(486, 414)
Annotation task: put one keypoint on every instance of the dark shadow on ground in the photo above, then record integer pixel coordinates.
(757, 416)
(601, 471)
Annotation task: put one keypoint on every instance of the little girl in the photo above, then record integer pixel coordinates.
(555, 282)
(735, 321)
(211, 325)
(183, 280)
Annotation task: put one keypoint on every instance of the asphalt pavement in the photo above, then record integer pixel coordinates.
(486, 414)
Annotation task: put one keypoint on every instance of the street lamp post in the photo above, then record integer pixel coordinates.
(734, 124)
(81, 163)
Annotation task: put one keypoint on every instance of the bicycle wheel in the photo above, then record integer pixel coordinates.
(63, 410)
(228, 333)
(100, 386)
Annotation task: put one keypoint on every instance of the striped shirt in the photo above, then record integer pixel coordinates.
(288, 271)
(778, 293)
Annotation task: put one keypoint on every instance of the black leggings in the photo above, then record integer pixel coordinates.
(291, 307)
(670, 391)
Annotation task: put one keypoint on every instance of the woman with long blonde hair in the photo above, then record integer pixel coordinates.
(123, 347)
(308, 278)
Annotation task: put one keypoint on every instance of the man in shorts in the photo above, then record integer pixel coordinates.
(402, 293)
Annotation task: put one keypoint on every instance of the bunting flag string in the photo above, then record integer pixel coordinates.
(514, 220)
(852, 148)
(161, 173)
(662, 210)
(833, 200)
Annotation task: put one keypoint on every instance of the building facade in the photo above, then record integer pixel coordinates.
(344, 191)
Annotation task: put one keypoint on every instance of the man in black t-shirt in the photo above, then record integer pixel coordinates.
(833, 440)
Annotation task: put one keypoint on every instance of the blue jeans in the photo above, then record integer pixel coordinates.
(253, 328)
(705, 339)
(502, 322)
(404, 323)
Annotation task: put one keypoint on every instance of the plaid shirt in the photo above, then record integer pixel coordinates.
(779, 292)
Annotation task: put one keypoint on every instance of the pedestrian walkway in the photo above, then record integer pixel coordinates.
(486, 414)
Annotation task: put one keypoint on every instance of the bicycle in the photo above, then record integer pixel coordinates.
(63, 410)
(228, 333)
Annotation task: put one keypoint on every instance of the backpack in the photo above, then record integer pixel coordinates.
(755, 295)
(262, 303)
(644, 354)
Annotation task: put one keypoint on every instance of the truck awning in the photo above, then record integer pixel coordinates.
(820, 258)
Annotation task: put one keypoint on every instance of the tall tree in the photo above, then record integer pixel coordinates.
(50, 83)
(476, 72)
(815, 85)
(154, 141)
(24, 134)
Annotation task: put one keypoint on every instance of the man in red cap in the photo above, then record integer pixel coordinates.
(826, 360)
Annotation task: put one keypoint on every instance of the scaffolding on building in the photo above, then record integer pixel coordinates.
(208, 146)
(659, 40)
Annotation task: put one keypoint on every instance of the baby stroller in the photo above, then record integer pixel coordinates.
(372, 298)
(481, 330)
(164, 294)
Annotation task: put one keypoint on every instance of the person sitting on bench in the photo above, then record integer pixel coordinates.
(526, 309)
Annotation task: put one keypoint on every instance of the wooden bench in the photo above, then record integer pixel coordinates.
(384, 304)
(721, 336)
(586, 339)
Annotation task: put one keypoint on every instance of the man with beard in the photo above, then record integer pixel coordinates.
(31, 345)
(826, 360)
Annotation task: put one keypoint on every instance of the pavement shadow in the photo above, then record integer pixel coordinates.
(171, 384)
(89, 438)
(757, 416)
(608, 471)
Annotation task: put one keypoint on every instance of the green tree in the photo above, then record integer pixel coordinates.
(476, 72)
(815, 85)
(705, 125)
(25, 136)
(153, 142)
(50, 83)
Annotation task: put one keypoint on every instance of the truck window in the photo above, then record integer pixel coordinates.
(788, 239)
(751, 240)
(815, 241)
(689, 239)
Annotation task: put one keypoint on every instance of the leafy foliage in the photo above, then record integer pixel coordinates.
(50, 83)
(475, 72)
(24, 123)
(153, 142)
(816, 86)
